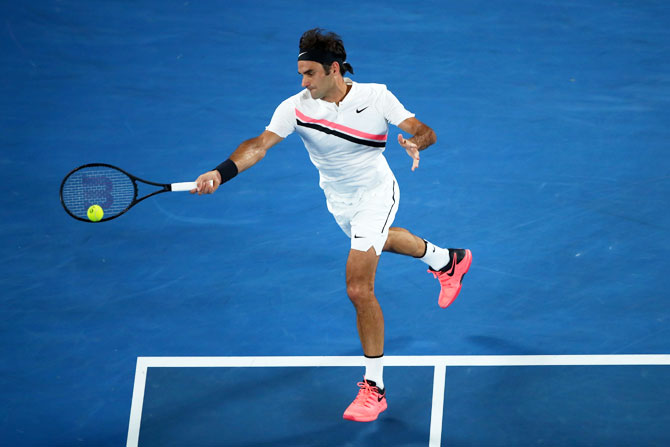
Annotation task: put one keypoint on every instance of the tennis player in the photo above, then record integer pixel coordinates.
(344, 126)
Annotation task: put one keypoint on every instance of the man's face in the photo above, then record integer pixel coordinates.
(315, 79)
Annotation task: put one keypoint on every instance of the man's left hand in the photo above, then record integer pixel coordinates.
(412, 150)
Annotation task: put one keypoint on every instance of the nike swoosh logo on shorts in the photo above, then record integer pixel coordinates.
(357, 236)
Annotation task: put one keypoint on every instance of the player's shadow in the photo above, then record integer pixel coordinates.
(269, 407)
(500, 346)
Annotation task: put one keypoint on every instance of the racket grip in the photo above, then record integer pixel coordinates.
(185, 186)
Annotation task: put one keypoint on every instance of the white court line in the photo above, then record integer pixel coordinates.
(137, 403)
(439, 362)
(439, 377)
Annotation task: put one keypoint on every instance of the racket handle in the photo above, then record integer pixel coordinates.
(185, 186)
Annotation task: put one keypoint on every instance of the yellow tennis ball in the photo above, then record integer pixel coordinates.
(95, 213)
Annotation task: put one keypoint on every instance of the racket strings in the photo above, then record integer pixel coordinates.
(113, 190)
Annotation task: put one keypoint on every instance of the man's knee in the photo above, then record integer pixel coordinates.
(402, 241)
(394, 232)
(360, 292)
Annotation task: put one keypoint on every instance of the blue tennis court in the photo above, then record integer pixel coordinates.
(552, 166)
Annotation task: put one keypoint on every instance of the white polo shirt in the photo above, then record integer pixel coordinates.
(344, 142)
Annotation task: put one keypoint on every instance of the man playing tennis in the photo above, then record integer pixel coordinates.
(344, 127)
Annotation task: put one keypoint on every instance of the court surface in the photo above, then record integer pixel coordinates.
(551, 165)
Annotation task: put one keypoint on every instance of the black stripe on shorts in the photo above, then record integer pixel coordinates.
(389, 214)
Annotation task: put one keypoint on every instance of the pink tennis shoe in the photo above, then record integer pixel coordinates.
(368, 404)
(451, 276)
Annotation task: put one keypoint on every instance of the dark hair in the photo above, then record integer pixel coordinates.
(318, 39)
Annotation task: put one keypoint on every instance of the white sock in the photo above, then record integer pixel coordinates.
(435, 257)
(374, 370)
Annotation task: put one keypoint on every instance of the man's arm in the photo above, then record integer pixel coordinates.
(423, 136)
(245, 156)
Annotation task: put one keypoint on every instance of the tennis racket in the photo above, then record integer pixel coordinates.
(112, 188)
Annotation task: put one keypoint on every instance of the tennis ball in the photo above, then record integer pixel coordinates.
(95, 213)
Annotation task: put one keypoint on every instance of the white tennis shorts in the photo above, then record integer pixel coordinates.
(366, 215)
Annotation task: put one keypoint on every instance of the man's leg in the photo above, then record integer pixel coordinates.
(403, 242)
(361, 269)
(449, 266)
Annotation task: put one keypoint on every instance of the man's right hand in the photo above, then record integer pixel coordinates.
(207, 183)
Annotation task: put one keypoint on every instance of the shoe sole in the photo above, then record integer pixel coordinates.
(355, 419)
(363, 419)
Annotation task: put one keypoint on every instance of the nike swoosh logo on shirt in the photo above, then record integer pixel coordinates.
(357, 236)
(359, 111)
